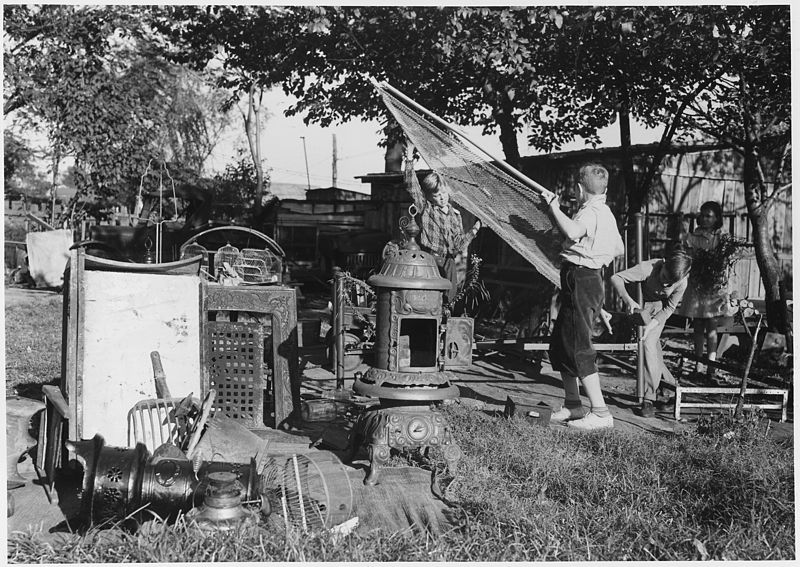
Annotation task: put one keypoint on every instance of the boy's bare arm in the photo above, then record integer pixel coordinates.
(619, 286)
(464, 239)
(414, 188)
(672, 303)
(570, 228)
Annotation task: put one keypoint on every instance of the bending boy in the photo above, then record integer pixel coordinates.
(664, 282)
(592, 242)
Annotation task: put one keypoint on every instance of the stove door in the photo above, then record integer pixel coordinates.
(458, 343)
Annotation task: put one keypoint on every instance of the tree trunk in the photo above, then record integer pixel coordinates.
(53, 187)
(504, 116)
(393, 158)
(634, 197)
(634, 203)
(252, 128)
(765, 255)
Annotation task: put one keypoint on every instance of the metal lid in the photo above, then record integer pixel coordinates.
(409, 267)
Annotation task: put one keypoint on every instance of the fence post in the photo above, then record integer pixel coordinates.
(639, 299)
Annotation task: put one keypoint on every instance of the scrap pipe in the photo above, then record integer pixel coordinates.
(338, 327)
(639, 299)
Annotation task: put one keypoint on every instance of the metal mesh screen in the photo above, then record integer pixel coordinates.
(236, 371)
(514, 211)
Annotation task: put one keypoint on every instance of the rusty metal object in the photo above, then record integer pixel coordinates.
(410, 268)
(322, 410)
(154, 422)
(388, 379)
(315, 491)
(412, 394)
(403, 428)
(19, 412)
(538, 413)
(121, 483)
(409, 344)
(458, 342)
(162, 389)
(410, 356)
(222, 507)
(236, 370)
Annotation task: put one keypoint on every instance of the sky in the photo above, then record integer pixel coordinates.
(356, 144)
(284, 154)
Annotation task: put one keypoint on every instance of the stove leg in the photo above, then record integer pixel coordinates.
(353, 444)
(378, 457)
(452, 454)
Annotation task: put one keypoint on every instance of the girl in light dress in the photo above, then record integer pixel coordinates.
(709, 308)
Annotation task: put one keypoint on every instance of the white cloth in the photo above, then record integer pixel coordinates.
(48, 254)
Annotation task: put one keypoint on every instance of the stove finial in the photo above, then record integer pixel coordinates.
(410, 229)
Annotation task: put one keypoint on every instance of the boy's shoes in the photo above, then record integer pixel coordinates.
(562, 415)
(647, 409)
(591, 422)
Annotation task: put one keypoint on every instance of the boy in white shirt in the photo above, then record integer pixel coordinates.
(592, 242)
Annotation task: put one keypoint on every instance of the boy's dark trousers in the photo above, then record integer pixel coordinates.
(582, 294)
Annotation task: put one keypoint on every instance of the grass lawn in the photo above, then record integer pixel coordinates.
(33, 344)
(722, 490)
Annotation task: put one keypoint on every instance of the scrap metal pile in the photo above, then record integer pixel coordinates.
(182, 459)
(131, 485)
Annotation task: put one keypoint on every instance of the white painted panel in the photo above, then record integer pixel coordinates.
(127, 316)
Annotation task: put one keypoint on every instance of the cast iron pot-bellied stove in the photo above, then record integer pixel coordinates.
(408, 376)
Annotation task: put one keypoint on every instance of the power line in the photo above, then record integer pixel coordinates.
(302, 174)
(352, 156)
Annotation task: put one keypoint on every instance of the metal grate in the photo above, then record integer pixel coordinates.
(237, 371)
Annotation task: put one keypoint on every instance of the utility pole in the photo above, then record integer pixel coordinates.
(334, 160)
(305, 153)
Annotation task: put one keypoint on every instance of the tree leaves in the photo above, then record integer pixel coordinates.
(94, 77)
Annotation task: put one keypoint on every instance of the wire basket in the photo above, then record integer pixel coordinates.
(316, 491)
(258, 266)
(193, 250)
(227, 254)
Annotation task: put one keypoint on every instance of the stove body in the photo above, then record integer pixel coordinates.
(409, 376)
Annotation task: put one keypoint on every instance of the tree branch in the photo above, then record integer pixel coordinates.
(778, 190)
(670, 129)
(14, 102)
(714, 133)
(779, 172)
